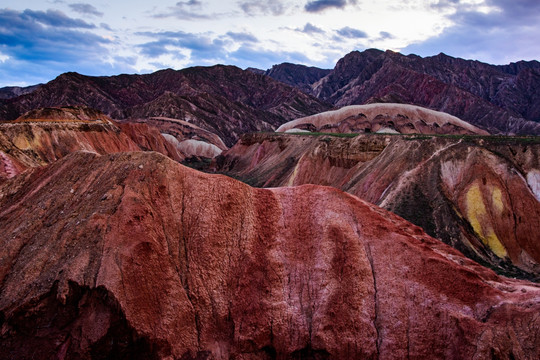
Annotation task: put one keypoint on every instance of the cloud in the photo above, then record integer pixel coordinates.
(51, 35)
(40, 45)
(242, 36)
(85, 9)
(105, 26)
(189, 3)
(186, 10)
(497, 31)
(445, 4)
(351, 33)
(202, 47)
(258, 7)
(318, 6)
(247, 56)
(53, 18)
(311, 29)
(384, 35)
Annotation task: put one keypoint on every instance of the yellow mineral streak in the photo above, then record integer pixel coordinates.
(21, 142)
(295, 172)
(476, 212)
(496, 199)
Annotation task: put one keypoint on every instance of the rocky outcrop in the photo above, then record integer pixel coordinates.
(135, 256)
(42, 136)
(478, 194)
(224, 100)
(397, 118)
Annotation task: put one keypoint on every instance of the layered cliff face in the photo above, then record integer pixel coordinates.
(478, 194)
(42, 136)
(135, 256)
(224, 100)
(389, 118)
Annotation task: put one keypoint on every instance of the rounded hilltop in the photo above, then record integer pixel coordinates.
(383, 118)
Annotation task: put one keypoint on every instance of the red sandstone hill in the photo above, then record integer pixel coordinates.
(224, 100)
(42, 136)
(134, 256)
(478, 194)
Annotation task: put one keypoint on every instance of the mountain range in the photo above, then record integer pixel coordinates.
(223, 99)
(502, 99)
(381, 213)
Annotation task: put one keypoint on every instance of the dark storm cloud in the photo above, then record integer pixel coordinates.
(493, 36)
(351, 33)
(258, 7)
(322, 5)
(85, 9)
(311, 29)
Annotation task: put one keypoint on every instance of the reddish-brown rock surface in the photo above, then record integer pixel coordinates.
(479, 194)
(132, 255)
(44, 135)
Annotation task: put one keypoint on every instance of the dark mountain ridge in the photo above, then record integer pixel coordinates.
(500, 98)
(222, 99)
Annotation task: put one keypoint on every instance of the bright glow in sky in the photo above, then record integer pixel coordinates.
(42, 39)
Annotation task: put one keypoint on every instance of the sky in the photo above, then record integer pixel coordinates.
(40, 39)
